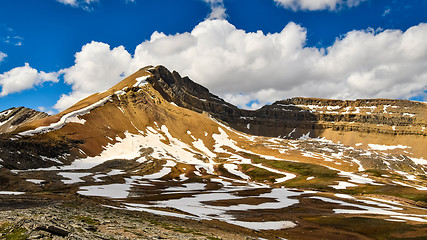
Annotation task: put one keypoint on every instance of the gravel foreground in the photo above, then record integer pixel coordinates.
(36, 217)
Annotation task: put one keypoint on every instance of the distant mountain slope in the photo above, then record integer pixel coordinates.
(12, 118)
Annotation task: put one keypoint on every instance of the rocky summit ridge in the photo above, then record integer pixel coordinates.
(12, 118)
(395, 117)
(160, 144)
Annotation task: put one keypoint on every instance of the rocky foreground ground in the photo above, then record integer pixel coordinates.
(53, 217)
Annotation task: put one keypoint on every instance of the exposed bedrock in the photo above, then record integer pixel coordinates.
(297, 116)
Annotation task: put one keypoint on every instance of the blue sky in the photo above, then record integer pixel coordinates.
(338, 49)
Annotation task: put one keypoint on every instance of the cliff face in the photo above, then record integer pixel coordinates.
(296, 117)
(383, 116)
(12, 118)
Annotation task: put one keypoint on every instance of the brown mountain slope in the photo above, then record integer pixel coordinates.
(12, 118)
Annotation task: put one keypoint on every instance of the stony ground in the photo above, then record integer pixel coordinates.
(50, 217)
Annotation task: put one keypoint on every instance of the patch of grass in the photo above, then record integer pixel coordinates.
(377, 172)
(259, 174)
(323, 175)
(5, 227)
(88, 220)
(213, 238)
(303, 169)
(370, 227)
(12, 233)
(414, 197)
(396, 191)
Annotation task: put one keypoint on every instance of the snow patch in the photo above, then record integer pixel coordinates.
(409, 114)
(73, 177)
(290, 134)
(115, 172)
(344, 196)
(386, 147)
(288, 176)
(75, 119)
(420, 161)
(233, 169)
(163, 172)
(65, 118)
(11, 193)
(199, 144)
(35, 181)
(264, 225)
(116, 190)
(305, 136)
(141, 81)
(343, 185)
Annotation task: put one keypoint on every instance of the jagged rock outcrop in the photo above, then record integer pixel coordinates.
(297, 116)
(12, 118)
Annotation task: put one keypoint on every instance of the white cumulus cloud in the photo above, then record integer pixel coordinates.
(267, 67)
(97, 67)
(22, 78)
(217, 9)
(251, 69)
(316, 5)
(2, 56)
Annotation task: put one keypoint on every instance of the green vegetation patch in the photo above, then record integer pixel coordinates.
(259, 174)
(10, 232)
(377, 172)
(323, 176)
(87, 220)
(396, 191)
